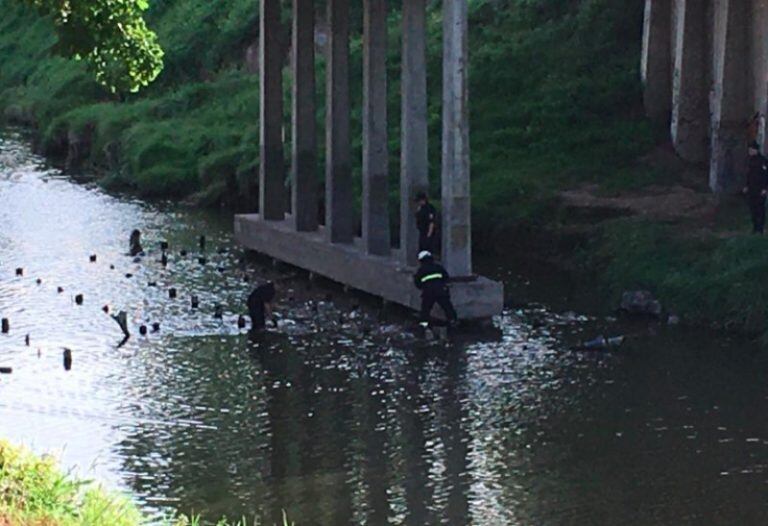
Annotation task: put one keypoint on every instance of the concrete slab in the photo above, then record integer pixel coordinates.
(384, 276)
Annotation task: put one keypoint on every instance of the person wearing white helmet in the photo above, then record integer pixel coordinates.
(432, 280)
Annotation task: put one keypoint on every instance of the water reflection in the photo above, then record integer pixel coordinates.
(344, 416)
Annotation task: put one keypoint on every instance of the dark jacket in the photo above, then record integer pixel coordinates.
(757, 176)
(431, 277)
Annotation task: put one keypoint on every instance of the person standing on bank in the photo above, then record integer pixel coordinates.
(432, 280)
(426, 223)
(757, 187)
(260, 306)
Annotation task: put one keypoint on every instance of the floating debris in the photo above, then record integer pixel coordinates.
(122, 320)
(601, 343)
(135, 243)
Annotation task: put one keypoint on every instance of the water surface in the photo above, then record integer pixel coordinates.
(343, 415)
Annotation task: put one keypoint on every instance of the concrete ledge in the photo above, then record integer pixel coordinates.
(385, 277)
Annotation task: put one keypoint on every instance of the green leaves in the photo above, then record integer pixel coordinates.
(111, 36)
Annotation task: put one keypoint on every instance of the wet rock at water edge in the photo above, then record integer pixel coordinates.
(5, 326)
(172, 293)
(640, 303)
(202, 260)
(202, 243)
(183, 253)
(241, 322)
(19, 272)
(79, 299)
(67, 360)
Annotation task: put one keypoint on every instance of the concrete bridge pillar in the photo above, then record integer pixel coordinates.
(272, 196)
(690, 113)
(657, 60)
(414, 164)
(457, 235)
(376, 236)
(304, 153)
(730, 91)
(339, 212)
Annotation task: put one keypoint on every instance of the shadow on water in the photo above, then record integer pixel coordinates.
(343, 415)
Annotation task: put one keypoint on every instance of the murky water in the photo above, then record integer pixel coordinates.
(342, 415)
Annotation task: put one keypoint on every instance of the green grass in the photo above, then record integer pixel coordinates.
(34, 492)
(706, 278)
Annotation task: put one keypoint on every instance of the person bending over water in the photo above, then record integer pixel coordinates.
(260, 303)
(135, 244)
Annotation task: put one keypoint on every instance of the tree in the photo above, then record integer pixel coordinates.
(111, 36)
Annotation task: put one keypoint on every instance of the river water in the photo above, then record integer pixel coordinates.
(342, 415)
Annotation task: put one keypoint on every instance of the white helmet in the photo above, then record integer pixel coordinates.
(424, 254)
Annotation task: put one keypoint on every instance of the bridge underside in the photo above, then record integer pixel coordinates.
(387, 277)
(368, 263)
(705, 74)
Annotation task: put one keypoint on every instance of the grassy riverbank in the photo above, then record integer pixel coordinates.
(36, 493)
(555, 108)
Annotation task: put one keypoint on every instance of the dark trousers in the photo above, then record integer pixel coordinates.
(428, 243)
(441, 297)
(757, 209)
(258, 319)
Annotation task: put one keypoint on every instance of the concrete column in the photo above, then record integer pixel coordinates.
(657, 61)
(690, 114)
(339, 217)
(414, 164)
(376, 236)
(457, 235)
(271, 168)
(730, 91)
(304, 154)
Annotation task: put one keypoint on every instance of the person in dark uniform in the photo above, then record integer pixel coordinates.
(426, 223)
(432, 280)
(757, 187)
(260, 305)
